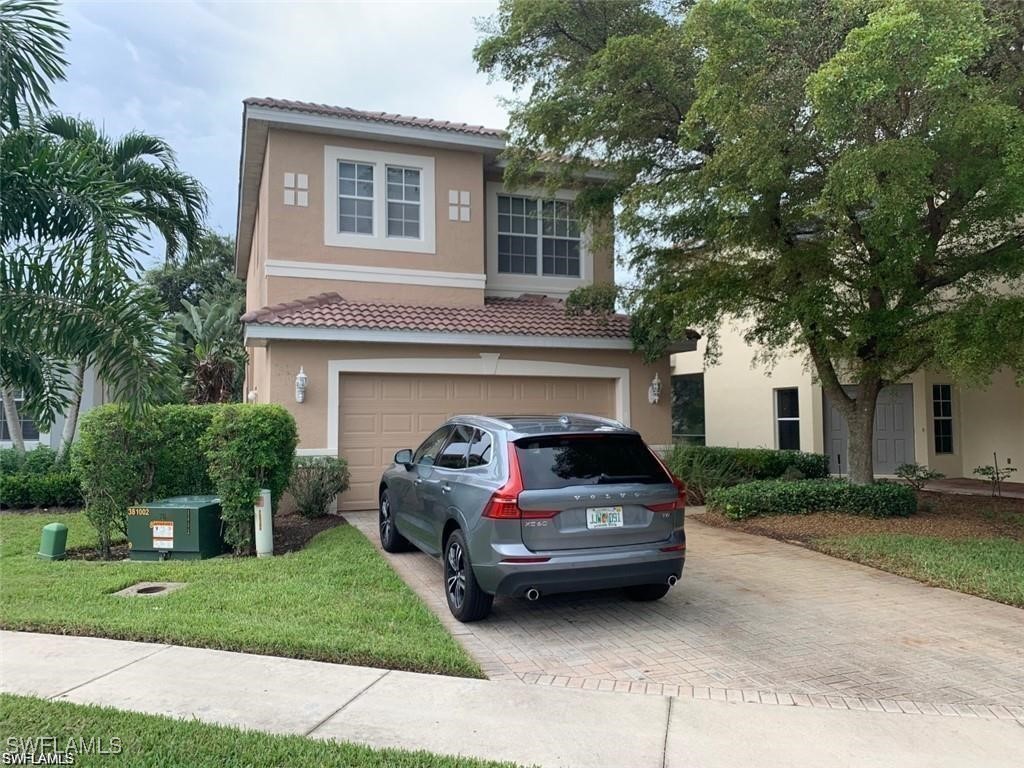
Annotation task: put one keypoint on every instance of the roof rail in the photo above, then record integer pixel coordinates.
(599, 419)
(494, 420)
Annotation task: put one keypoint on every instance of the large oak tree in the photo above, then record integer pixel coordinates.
(843, 178)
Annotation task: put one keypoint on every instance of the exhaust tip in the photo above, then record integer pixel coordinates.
(672, 580)
(532, 594)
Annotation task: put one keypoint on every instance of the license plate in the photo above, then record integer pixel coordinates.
(604, 517)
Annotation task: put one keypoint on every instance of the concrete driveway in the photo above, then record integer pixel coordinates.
(759, 621)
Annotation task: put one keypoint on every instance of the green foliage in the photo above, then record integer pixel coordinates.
(801, 497)
(32, 37)
(39, 461)
(918, 476)
(840, 179)
(48, 489)
(168, 451)
(703, 470)
(110, 457)
(217, 360)
(249, 447)
(316, 481)
(596, 299)
(207, 272)
(995, 475)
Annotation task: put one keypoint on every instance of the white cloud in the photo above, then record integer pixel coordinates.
(181, 69)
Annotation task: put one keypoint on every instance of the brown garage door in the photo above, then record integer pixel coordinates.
(382, 413)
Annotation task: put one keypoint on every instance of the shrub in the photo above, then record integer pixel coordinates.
(112, 458)
(800, 497)
(316, 481)
(39, 461)
(179, 463)
(248, 447)
(55, 489)
(703, 468)
(917, 475)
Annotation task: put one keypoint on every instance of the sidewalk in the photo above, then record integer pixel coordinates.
(486, 719)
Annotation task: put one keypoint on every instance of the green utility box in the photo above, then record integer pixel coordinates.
(54, 541)
(179, 528)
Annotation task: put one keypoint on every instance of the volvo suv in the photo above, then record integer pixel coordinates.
(527, 506)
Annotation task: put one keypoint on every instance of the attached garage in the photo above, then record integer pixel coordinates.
(379, 414)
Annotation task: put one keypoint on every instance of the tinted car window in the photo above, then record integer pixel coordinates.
(428, 448)
(453, 455)
(480, 449)
(557, 462)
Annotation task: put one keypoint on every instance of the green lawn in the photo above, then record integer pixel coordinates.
(990, 568)
(336, 600)
(163, 742)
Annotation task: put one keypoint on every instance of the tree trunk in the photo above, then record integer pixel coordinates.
(71, 417)
(13, 420)
(860, 420)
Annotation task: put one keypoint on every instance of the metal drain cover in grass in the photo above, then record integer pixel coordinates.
(150, 588)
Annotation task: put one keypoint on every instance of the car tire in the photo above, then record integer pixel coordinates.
(466, 600)
(390, 539)
(646, 593)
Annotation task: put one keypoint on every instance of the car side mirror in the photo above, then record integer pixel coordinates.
(404, 456)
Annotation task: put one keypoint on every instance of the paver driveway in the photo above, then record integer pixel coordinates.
(756, 620)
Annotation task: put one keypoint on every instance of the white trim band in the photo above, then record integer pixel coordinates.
(255, 332)
(361, 274)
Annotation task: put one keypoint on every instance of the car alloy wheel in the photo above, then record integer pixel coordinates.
(385, 521)
(455, 574)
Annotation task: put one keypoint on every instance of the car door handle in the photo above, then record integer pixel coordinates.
(418, 481)
(445, 488)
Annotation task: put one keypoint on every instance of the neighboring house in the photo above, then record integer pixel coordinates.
(926, 419)
(387, 264)
(93, 394)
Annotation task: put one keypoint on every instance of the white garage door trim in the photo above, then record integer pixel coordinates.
(487, 364)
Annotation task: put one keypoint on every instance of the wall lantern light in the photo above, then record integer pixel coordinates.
(300, 386)
(654, 391)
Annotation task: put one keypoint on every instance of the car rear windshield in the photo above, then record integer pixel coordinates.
(561, 461)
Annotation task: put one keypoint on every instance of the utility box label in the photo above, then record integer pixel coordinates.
(163, 534)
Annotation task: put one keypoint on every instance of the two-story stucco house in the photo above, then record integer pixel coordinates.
(390, 271)
(927, 419)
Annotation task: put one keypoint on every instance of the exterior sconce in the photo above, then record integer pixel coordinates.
(251, 397)
(300, 386)
(654, 391)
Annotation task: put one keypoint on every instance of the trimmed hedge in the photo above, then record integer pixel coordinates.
(801, 497)
(54, 489)
(167, 451)
(41, 460)
(752, 463)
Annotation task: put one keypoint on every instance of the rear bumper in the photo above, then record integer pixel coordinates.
(581, 570)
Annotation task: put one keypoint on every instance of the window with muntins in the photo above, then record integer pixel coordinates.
(520, 239)
(355, 198)
(403, 199)
(942, 414)
(787, 419)
(29, 429)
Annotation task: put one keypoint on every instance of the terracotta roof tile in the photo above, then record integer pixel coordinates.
(529, 315)
(376, 117)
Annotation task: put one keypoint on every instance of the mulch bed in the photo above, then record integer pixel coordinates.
(941, 515)
(292, 532)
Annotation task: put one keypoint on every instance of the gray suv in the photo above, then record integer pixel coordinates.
(532, 505)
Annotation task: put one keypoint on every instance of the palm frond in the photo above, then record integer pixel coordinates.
(32, 37)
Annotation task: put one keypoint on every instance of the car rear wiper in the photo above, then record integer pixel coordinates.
(605, 478)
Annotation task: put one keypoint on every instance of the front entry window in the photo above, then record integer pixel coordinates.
(787, 419)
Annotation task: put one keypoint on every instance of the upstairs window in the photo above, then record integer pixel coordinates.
(403, 202)
(520, 239)
(355, 198)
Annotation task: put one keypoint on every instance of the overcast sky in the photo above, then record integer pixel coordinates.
(181, 69)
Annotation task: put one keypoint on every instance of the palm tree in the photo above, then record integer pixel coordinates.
(155, 191)
(217, 352)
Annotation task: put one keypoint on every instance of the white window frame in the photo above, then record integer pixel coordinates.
(379, 240)
(936, 419)
(501, 283)
(403, 201)
(44, 437)
(778, 418)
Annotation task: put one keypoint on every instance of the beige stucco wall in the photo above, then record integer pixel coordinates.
(739, 406)
(297, 233)
(992, 419)
(255, 279)
(285, 357)
(280, 289)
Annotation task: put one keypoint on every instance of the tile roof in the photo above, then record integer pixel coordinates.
(528, 315)
(376, 117)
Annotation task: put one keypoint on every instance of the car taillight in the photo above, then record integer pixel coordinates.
(680, 500)
(504, 502)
